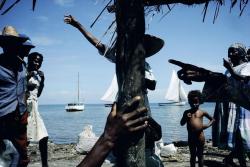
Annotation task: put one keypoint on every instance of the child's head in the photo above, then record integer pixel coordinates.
(195, 98)
(35, 60)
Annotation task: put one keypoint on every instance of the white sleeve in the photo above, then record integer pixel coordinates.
(149, 72)
(109, 54)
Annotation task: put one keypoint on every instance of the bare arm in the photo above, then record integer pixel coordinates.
(93, 40)
(184, 119)
(40, 89)
(212, 120)
(117, 123)
(154, 129)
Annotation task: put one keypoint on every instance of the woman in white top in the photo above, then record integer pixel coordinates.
(36, 129)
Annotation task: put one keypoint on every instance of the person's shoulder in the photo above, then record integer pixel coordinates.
(203, 111)
(246, 69)
(187, 111)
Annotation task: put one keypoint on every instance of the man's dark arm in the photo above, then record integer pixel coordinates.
(155, 129)
(92, 39)
(117, 123)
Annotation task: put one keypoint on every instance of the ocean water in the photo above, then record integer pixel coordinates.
(64, 127)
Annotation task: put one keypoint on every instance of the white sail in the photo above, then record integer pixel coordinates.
(175, 92)
(110, 94)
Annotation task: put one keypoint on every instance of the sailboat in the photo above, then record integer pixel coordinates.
(78, 106)
(111, 93)
(175, 93)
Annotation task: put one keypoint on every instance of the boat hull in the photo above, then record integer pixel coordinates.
(108, 105)
(74, 108)
(173, 103)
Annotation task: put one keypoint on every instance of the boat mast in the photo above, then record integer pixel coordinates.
(78, 89)
(179, 90)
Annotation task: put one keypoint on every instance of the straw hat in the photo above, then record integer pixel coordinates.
(10, 36)
(152, 44)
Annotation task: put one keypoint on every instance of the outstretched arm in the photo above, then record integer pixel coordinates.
(117, 123)
(154, 129)
(212, 120)
(93, 40)
(190, 73)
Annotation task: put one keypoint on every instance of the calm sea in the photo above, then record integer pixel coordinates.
(64, 127)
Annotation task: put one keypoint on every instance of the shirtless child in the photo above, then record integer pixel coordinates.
(194, 119)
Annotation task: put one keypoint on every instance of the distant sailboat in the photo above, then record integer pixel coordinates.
(175, 93)
(78, 106)
(110, 94)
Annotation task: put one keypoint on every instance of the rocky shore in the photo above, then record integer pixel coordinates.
(65, 155)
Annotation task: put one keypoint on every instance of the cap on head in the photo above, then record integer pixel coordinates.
(241, 48)
(10, 36)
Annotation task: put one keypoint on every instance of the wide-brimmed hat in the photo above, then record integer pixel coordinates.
(10, 36)
(152, 44)
(28, 42)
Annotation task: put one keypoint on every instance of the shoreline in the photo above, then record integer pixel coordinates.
(65, 155)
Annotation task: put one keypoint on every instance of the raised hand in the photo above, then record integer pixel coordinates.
(129, 120)
(69, 19)
(227, 65)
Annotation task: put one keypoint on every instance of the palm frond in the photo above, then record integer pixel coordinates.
(10, 7)
(2, 4)
(33, 5)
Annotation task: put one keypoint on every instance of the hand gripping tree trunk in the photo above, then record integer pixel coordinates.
(130, 70)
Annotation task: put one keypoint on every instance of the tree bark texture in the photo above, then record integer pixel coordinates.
(130, 71)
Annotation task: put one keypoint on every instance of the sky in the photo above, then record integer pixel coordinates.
(66, 52)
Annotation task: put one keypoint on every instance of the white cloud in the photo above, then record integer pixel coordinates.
(45, 41)
(64, 2)
(42, 18)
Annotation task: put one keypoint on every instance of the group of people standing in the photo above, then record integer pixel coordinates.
(20, 86)
(22, 83)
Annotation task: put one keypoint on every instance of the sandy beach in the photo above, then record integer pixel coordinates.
(65, 155)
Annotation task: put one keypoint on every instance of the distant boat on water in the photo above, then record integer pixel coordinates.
(76, 106)
(111, 93)
(175, 93)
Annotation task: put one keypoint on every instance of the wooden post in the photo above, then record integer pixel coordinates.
(130, 71)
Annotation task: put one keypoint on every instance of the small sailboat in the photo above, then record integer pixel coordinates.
(76, 106)
(111, 93)
(175, 93)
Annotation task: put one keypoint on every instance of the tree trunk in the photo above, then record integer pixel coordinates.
(130, 70)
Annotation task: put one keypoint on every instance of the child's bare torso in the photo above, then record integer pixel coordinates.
(195, 126)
